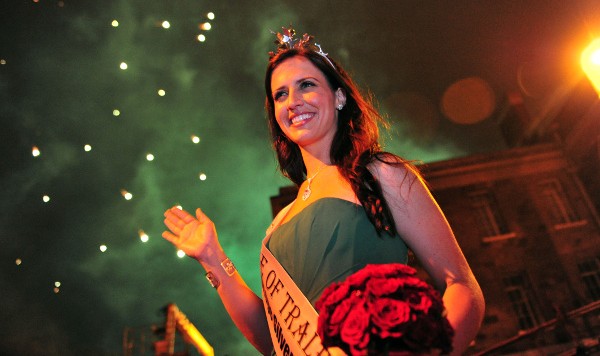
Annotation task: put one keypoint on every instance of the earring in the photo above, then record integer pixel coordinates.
(340, 107)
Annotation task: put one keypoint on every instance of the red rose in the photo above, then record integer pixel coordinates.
(354, 330)
(382, 286)
(339, 315)
(388, 315)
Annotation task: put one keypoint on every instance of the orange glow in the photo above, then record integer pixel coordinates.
(590, 62)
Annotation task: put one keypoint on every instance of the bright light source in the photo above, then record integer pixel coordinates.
(18, 261)
(103, 248)
(205, 26)
(180, 254)
(115, 23)
(143, 236)
(123, 65)
(126, 194)
(210, 16)
(201, 38)
(202, 176)
(166, 24)
(161, 92)
(3, 61)
(150, 157)
(57, 284)
(35, 151)
(87, 148)
(590, 62)
(116, 112)
(46, 198)
(195, 139)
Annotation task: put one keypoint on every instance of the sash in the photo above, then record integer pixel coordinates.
(292, 319)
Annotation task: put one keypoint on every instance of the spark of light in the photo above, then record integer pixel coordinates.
(210, 16)
(205, 26)
(143, 236)
(46, 198)
(18, 261)
(195, 139)
(115, 23)
(166, 24)
(123, 65)
(87, 148)
(162, 92)
(126, 194)
(103, 248)
(150, 157)
(201, 38)
(180, 254)
(116, 112)
(35, 151)
(202, 176)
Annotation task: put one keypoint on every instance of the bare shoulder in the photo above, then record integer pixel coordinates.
(396, 176)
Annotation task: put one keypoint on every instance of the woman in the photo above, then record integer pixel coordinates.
(356, 205)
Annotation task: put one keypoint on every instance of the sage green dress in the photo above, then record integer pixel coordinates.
(328, 241)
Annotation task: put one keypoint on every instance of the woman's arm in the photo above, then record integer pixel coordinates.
(197, 237)
(423, 226)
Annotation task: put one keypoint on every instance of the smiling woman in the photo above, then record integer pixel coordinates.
(358, 205)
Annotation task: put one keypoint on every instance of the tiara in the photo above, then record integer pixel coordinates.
(286, 41)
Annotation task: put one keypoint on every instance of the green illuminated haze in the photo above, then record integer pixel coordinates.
(58, 89)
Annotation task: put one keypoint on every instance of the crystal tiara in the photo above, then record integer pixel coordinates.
(286, 41)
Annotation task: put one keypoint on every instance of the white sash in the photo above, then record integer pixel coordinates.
(292, 319)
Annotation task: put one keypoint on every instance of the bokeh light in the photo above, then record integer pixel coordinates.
(126, 194)
(114, 23)
(195, 139)
(166, 24)
(202, 176)
(35, 152)
(18, 261)
(87, 148)
(116, 112)
(201, 38)
(206, 26)
(180, 254)
(123, 65)
(162, 92)
(103, 248)
(45, 198)
(150, 157)
(143, 236)
(210, 16)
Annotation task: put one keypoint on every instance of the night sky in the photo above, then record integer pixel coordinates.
(439, 70)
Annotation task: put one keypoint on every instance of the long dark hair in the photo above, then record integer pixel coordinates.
(355, 144)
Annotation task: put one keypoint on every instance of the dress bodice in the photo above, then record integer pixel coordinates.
(329, 240)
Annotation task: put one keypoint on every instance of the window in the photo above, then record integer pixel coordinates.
(489, 219)
(557, 205)
(590, 274)
(518, 290)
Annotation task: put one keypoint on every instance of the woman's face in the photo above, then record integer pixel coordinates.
(304, 103)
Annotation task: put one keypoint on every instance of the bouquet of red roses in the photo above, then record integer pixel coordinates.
(384, 309)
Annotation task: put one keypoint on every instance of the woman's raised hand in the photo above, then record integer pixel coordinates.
(197, 237)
